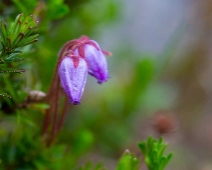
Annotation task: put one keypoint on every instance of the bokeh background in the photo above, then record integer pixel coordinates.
(160, 85)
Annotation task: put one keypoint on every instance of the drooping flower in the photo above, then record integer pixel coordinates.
(77, 58)
(97, 64)
(73, 73)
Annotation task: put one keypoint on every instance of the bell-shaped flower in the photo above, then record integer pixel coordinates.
(97, 64)
(73, 71)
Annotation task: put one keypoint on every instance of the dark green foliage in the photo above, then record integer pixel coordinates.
(14, 36)
(153, 151)
(17, 35)
(23, 150)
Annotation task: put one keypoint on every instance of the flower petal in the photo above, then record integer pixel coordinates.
(72, 78)
(96, 61)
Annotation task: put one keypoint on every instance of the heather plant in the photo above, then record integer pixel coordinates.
(13, 37)
(41, 128)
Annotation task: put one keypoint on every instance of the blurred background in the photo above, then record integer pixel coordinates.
(160, 85)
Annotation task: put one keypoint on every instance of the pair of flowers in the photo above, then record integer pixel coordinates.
(84, 56)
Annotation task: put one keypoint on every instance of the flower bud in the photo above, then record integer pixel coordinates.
(97, 64)
(73, 72)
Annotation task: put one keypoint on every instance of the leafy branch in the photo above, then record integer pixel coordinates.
(14, 36)
(153, 151)
(128, 162)
(17, 35)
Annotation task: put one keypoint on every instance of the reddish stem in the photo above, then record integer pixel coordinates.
(53, 98)
(55, 114)
(63, 114)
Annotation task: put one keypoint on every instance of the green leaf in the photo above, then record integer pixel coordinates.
(128, 162)
(154, 156)
(28, 40)
(142, 146)
(9, 70)
(18, 39)
(12, 58)
(29, 30)
(153, 151)
(3, 32)
(29, 19)
(15, 27)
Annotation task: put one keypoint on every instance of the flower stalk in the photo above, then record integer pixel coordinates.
(76, 59)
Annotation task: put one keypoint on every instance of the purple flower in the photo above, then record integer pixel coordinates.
(73, 73)
(77, 58)
(97, 64)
